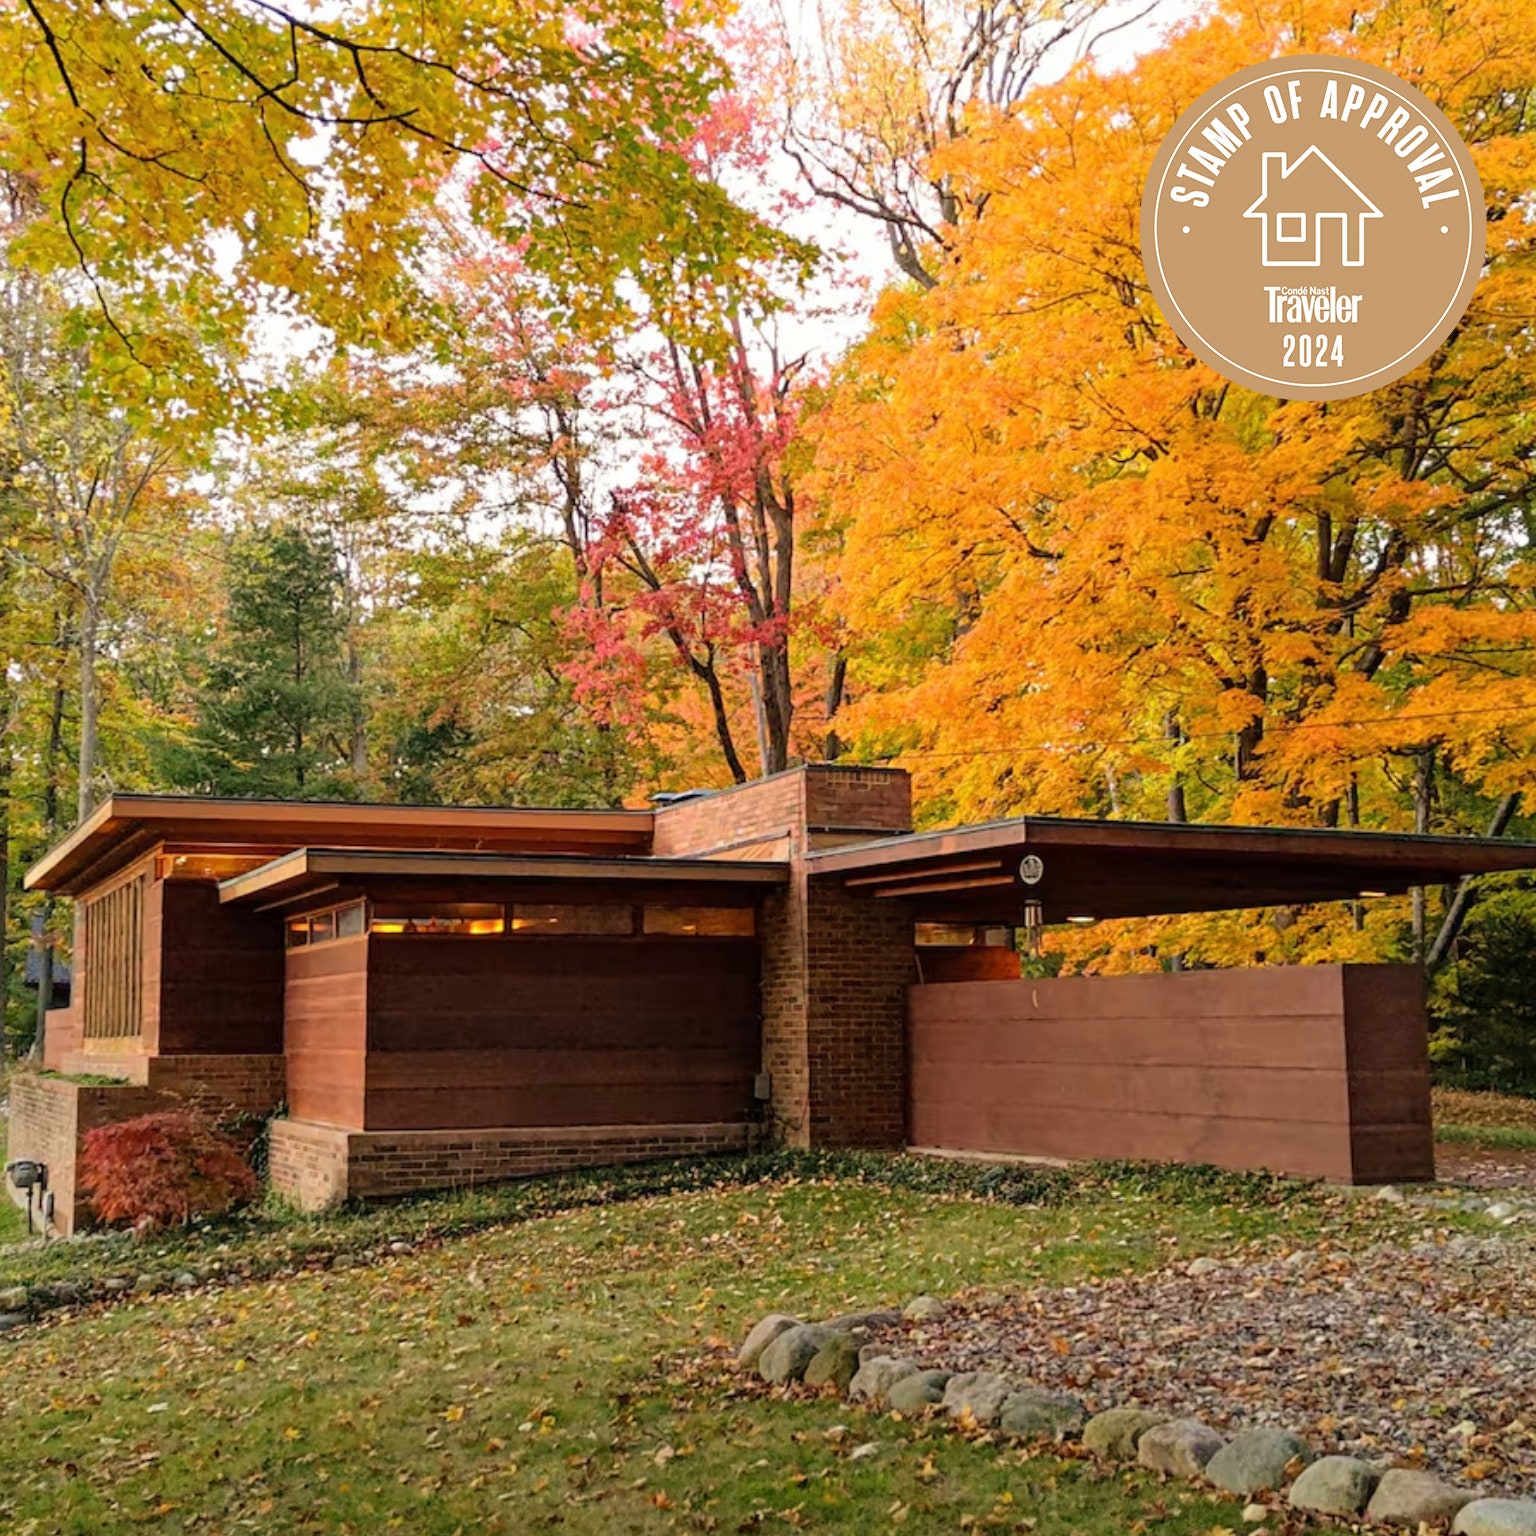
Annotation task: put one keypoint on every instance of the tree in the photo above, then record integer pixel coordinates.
(275, 716)
(215, 159)
(1082, 572)
(874, 89)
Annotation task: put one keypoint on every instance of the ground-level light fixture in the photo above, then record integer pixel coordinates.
(1083, 922)
(1364, 894)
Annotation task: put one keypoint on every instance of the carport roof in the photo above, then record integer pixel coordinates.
(307, 869)
(1105, 869)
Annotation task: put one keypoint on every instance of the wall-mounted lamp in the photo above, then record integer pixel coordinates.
(32, 1177)
(1365, 894)
(1083, 922)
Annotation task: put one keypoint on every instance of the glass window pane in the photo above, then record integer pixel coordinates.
(945, 935)
(702, 922)
(298, 932)
(475, 918)
(549, 917)
(349, 921)
(322, 926)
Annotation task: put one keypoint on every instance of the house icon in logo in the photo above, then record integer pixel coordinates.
(1297, 202)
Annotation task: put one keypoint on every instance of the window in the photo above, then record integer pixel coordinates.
(534, 917)
(114, 962)
(1290, 226)
(466, 917)
(702, 922)
(960, 935)
(321, 927)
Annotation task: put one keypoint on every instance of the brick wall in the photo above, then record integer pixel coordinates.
(834, 966)
(859, 963)
(51, 1115)
(316, 1165)
(251, 1085)
(49, 1119)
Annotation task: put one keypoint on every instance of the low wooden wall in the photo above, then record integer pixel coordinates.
(1314, 1070)
(558, 1031)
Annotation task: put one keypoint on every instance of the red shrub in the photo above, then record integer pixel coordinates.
(163, 1168)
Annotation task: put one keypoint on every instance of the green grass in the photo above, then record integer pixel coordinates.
(571, 1372)
(13, 1220)
(1490, 1136)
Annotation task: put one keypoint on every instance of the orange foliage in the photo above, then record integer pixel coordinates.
(162, 1168)
(1083, 574)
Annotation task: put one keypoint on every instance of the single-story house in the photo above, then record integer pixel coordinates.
(442, 996)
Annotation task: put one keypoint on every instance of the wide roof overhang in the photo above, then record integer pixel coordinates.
(308, 871)
(1106, 869)
(125, 827)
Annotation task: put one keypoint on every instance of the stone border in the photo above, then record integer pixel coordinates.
(784, 1351)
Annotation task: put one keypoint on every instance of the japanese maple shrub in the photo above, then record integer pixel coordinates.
(163, 1168)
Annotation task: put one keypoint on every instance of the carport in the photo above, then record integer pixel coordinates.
(1312, 1070)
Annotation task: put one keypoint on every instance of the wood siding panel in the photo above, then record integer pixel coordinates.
(221, 975)
(517, 1031)
(325, 1034)
(1319, 1071)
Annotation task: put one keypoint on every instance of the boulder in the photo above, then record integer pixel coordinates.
(13, 1299)
(914, 1393)
(978, 1393)
(836, 1361)
(1117, 1431)
(1035, 1413)
(786, 1358)
(752, 1347)
(874, 1379)
(1180, 1446)
(1256, 1460)
(924, 1309)
(1497, 1517)
(1407, 1497)
(864, 1322)
(1335, 1485)
(1204, 1265)
(10, 1320)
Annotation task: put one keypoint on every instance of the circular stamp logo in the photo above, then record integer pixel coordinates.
(1031, 869)
(1313, 228)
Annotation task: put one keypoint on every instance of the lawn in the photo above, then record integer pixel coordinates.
(13, 1220)
(572, 1372)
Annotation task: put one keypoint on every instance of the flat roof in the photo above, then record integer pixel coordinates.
(1101, 869)
(295, 872)
(124, 827)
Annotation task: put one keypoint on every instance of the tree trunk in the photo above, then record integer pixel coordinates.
(837, 682)
(6, 764)
(1461, 903)
(1177, 811)
(42, 942)
(1423, 796)
(85, 799)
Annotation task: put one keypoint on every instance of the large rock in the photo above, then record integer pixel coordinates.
(874, 1379)
(836, 1361)
(762, 1336)
(1406, 1497)
(920, 1390)
(863, 1322)
(981, 1394)
(1497, 1517)
(1181, 1446)
(1255, 1460)
(924, 1309)
(1335, 1485)
(1037, 1413)
(786, 1358)
(1117, 1431)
